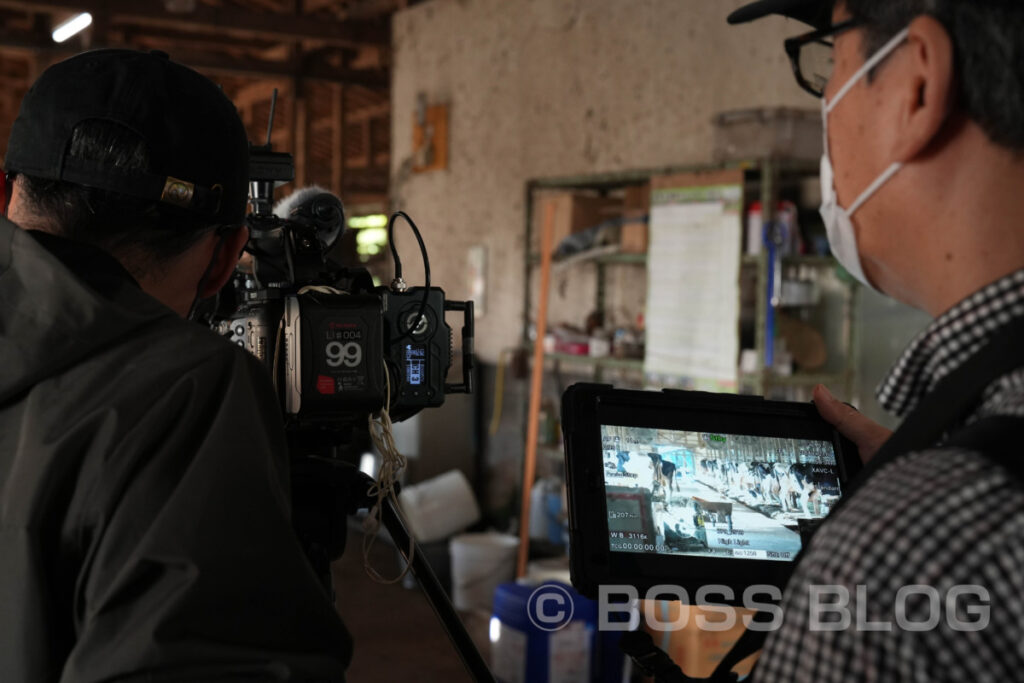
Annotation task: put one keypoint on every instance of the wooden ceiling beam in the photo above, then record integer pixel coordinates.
(222, 21)
(203, 60)
(363, 114)
(313, 6)
(261, 91)
(192, 39)
(369, 8)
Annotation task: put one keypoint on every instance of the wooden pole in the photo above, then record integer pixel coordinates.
(536, 387)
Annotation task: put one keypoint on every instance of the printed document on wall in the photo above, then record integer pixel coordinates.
(693, 294)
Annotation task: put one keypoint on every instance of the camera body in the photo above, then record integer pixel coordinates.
(338, 347)
(336, 355)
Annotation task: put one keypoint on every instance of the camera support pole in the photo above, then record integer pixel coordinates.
(326, 490)
(436, 596)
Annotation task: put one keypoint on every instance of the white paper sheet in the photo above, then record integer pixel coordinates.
(693, 294)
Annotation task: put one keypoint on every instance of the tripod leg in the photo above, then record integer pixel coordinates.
(438, 599)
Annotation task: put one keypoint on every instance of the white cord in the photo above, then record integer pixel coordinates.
(391, 466)
(321, 289)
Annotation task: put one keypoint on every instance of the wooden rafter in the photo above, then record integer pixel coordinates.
(191, 39)
(222, 21)
(203, 60)
(329, 59)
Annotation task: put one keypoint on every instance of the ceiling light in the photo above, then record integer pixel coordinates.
(377, 220)
(72, 26)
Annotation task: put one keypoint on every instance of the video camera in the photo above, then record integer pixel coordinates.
(343, 353)
(338, 347)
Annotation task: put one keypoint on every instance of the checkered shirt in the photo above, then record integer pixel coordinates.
(940, 518)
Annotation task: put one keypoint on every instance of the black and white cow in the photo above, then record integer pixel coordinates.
(664, 472)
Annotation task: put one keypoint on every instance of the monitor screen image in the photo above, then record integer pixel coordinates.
(714, 495)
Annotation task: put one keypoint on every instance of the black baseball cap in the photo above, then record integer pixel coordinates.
(817, 13)
(197, 144)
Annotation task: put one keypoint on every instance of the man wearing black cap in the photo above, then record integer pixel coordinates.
(144, 500)
(919, 573)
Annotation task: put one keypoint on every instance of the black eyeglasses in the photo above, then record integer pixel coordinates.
(812, 56)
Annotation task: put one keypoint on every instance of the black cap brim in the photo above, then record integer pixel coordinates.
(816, 13)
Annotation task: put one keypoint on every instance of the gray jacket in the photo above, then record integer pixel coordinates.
(144, 498)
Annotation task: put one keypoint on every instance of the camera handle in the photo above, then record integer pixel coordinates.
(653, 661)
(468, 357)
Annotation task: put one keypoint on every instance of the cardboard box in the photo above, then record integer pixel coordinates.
(634, 236)
(573, 213)
(768, 133)
(637, 201)
(697, 651)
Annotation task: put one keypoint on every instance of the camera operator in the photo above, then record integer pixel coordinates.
(144, 490)
(924, 112)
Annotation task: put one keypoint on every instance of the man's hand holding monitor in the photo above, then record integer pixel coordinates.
(693, 490)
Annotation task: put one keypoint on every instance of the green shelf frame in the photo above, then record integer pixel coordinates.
(601, 257)
(770, 379)
(799, 260)
(607, 362)
(763, 179)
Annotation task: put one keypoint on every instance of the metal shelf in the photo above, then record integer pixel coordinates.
(800, 260)
(764, 179)
(609, 363)
(620, 257)
(603, 256)
(770, 379)
(551, 451)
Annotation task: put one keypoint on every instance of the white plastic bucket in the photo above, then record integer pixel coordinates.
(479, 563)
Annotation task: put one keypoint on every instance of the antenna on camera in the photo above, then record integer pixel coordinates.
(270, 121)
(267, 169)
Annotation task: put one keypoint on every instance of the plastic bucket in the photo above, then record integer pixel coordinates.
(479, 563)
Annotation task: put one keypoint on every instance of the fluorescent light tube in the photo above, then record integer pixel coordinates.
(72, 26)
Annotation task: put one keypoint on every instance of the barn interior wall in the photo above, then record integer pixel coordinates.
(552, 88)
(557, 88)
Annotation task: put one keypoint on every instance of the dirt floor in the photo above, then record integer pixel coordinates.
(397, 637)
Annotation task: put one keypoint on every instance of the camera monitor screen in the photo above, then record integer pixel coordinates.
(707, 494)
(690, 489)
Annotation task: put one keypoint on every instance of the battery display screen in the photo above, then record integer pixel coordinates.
(415, 363)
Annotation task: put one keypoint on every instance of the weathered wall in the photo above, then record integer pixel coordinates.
(553, 88)
(543, 88)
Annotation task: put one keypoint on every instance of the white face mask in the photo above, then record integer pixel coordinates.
(841, 236)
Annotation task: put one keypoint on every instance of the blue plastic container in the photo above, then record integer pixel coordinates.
(534, 640)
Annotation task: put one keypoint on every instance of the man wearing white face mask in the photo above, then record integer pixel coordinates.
(920, 571)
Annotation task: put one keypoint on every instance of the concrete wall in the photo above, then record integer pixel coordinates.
(544, 88)
(554, 88)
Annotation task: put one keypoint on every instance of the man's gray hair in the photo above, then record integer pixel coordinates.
(988, 36)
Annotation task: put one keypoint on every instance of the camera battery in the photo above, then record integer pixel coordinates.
(333, 355)
(420, 347)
